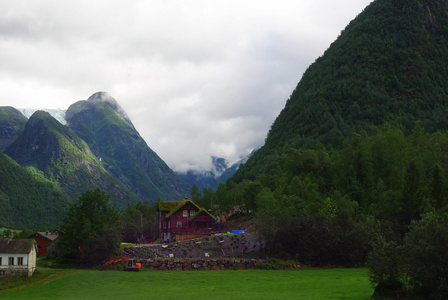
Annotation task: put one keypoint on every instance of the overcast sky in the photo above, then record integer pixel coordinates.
(197, 78)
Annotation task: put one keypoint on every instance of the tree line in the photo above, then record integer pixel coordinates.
(369, 200)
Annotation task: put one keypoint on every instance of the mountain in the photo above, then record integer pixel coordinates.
(112, 137)
(389, 64)
(58, 114)
(27, 198)
(219, 173)
(12, 124)
(50, 147)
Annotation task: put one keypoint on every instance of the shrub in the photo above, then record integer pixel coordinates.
(420, 264)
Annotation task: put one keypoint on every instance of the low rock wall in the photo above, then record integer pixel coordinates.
(201, 264)
(215, 246)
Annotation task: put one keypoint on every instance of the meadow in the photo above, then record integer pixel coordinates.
(241, 284)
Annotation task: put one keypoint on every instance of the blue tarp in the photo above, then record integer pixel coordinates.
(239, 231)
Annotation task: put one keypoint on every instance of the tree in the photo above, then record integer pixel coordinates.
(424, 258)
(420, 264)
(195, 193)
(89, 228)
(25, 233)
(140, 219)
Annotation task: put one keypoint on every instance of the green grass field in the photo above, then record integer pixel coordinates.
(247, 284)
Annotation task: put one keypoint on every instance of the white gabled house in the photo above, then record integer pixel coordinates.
(17, 257)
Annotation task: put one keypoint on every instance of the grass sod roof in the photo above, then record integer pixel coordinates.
(180, 206)
(17, 245)
(174, 206)
(168, 205)
(200, 212)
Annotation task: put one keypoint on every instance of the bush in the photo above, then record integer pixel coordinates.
(420, 264)
(424, 256)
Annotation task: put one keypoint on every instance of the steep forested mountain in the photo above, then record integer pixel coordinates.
(27, 198)
(63, 157)
(389, 64)
(111, 136)
(12, 123)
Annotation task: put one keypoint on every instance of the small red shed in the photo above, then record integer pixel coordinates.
(183, 220)
(43, 238)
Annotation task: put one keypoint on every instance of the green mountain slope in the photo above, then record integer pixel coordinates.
(27, 199)
(64, 158)
(12, 124)
(389, 64)
(105, 127)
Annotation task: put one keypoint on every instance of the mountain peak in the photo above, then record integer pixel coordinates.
(98, 99)
(103, 97)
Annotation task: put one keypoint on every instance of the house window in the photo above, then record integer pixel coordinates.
(0, 260)
(20, 261)
(192, 213)
(179, 224)
(2, 273)
(11, 261)
(185, 213)
(164, 225)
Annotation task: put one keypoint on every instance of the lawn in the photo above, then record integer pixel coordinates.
(248, 284)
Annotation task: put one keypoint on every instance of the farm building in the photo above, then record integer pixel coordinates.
(17, 257)
(43, 238)
(183, 220)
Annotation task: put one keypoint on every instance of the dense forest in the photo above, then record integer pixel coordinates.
(390, 64)
(376, 197)
(42, 201)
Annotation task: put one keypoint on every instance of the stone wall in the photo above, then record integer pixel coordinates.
(201, 264)
(215, 246)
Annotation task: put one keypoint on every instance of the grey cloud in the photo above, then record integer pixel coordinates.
(197, 78)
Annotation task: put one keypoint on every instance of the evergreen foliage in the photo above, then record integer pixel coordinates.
(139, 221)
(90, 232)
(419, 263)
(27, 198)
(330, 205)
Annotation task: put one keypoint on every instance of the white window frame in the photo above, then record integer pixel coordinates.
(11, 261)
(192, 212)
(185, 213)
(179, 224)
(20, 261)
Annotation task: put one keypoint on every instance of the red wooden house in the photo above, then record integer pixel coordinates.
(183, 220)
(43, 239)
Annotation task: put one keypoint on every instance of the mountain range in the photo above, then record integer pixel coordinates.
(91, 144)
(98, 147)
